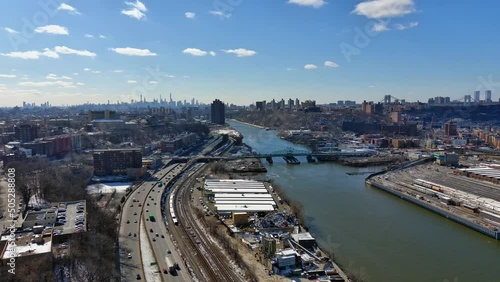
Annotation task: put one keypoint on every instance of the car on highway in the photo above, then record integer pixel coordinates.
(129, 255)
(157, 235)
(135, 213)
(151, 230)
(128, 221)
(135, 220)
(169, 252)
(138, 277)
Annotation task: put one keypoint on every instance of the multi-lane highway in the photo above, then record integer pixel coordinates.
(159, 237)
(133, 209)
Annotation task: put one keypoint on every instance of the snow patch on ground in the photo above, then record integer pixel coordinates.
(108, 188)
(151, 272)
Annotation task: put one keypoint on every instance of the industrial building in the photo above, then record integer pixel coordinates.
(237, 196)
(304, 239)
(481, 173)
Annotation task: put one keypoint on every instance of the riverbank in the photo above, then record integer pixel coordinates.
(249, 124)
(326, 267)
(452, 203)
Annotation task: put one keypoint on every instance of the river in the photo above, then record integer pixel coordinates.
(372, 233)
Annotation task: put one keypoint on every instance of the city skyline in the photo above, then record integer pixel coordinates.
(72, 53)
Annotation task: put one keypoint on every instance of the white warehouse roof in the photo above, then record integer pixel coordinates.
(243, 208)
(246, 196)
(238, 191)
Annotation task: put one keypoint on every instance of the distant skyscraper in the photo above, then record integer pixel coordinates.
(192, 102)
(217, 111)
(487, 95)
(477, 96)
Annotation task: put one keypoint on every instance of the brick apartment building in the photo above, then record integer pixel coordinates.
(116, 161)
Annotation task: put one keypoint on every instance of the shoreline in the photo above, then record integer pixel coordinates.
(319, 246)
(246, 123)
(374, 181)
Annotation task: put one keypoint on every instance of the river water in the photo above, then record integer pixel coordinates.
(372, 233)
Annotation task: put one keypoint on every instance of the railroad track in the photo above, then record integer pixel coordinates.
(214, 265)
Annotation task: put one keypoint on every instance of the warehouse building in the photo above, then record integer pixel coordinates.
(239, 196)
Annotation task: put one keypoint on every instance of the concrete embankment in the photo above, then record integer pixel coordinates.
(448, 215)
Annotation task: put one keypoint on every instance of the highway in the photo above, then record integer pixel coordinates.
(130, 224)
(162, 243)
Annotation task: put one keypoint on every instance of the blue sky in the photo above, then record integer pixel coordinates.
(240, 51)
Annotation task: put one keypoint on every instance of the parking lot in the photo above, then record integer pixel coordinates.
(70, 218)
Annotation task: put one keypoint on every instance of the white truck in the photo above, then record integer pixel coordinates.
(170, 266)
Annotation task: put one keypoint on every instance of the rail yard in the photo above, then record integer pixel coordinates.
(203, 256)
(469, 201)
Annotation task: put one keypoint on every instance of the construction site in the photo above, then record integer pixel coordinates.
(469, 196)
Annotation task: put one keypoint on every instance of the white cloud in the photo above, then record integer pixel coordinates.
(55, 77)
(87, 69)
(371, 86)
(380, 26)
(170, 76)
(52, 29)
(102, 36)
(50, 53)
(27, 55)
(133, 51)
(403, 27)
(7, 76)
(118, 71)
(195, 52)
(240, 52)
(376, 9)
(290, 69)
(136, 10)
(65, 84)
(331, 64)
(96, 71)
(89, 35)
(310, 67)
(10, 30)
(66, 7)
(220, 14)
(131, 81)
(75, 73)
(212, 53)
(80, 83)
(67, 51)
(153, 82)
(186, 76)
(309, 3)
(54, 54)
(190, 15)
